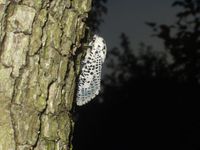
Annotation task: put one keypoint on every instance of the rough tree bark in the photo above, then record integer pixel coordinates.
(37, 71)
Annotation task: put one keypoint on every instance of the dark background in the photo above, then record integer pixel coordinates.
(150, 95)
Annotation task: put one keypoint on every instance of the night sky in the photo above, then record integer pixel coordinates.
(129, 16)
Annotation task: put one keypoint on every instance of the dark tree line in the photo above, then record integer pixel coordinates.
(181, 41)
(150, 99)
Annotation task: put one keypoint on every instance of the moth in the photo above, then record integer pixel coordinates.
(89, 81)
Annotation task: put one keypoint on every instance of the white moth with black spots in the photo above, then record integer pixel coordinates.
(90, 78)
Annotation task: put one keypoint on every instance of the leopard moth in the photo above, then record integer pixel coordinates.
(90, 77)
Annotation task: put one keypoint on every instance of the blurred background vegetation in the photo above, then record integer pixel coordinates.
(150, 98)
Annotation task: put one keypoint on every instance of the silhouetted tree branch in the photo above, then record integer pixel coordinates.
(182, 40)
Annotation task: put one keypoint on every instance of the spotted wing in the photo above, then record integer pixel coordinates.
(87, 91)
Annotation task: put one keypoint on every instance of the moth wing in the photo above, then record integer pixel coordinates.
(87, 93)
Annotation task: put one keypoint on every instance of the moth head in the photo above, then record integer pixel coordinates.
(100, 46)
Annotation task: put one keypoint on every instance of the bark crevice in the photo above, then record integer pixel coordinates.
(40, 117)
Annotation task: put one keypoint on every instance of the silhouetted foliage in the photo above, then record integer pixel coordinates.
(125, 65)
(182, 41)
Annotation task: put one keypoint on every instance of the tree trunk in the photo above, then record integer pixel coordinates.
(37, 71)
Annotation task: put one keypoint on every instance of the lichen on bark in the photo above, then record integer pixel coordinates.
(37, 71)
